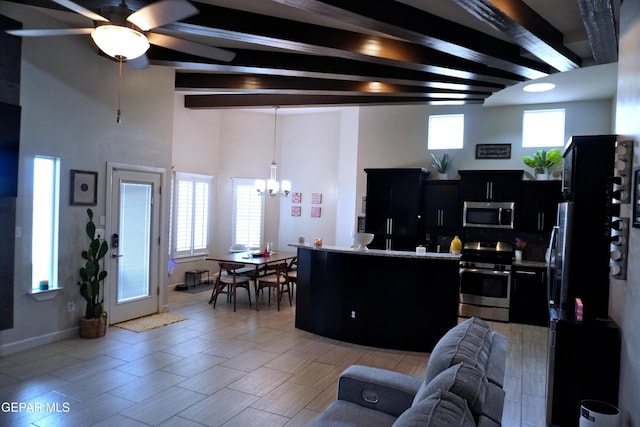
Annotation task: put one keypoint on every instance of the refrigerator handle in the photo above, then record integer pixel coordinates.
(551, 256)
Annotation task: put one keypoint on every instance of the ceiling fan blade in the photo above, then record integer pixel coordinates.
(191, 48)
(81, 10)
(47, 32)
(138, 63)
(161, 13)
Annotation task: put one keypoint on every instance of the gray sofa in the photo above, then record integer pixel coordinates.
(462, 386)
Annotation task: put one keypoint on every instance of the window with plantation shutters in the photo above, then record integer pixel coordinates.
(191, 214)
(248, 214)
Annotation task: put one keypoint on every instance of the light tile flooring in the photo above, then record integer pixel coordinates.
(221, 368)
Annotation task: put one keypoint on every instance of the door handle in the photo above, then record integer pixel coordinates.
(116, 255)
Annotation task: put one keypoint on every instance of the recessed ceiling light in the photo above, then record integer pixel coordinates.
(538, 87)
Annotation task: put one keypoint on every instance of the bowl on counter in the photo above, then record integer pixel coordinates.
(361, 240)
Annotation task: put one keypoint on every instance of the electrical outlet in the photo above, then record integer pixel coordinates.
(71, 306)
(100, 233)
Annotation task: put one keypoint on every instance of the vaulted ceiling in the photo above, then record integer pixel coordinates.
(356, 52)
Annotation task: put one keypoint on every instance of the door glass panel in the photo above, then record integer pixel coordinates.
(135, 241)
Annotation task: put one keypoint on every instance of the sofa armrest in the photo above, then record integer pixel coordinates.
(379, 389)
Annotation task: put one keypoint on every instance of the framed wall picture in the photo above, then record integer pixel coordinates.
(84, 188)
(493, 151)
(636, 197)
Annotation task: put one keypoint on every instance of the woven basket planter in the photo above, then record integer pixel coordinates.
(93, 328)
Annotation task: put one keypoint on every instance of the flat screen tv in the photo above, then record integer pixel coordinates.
(9, 149)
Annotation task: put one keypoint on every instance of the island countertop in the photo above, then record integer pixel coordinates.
(380, 252)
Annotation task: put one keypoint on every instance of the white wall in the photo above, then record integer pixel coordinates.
(69, 101)
(625, 295)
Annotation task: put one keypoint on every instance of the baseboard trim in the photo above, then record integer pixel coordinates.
(27, 344)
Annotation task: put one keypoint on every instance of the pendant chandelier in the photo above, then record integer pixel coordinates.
(272, 186)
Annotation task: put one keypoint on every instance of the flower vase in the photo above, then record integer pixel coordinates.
(456, 246)
(518, 254)
(542, 176)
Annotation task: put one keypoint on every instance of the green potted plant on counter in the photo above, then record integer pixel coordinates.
(442, 164)
(543, 162)
(92, 274)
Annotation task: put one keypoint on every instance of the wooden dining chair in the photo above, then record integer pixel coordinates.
(228, 281)
(279, 281)
(293, 273)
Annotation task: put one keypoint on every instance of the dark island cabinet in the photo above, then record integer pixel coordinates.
(528, 300)
(350, 296)
(490, 185)
(442, 205)
(394, 207)
(538, 205)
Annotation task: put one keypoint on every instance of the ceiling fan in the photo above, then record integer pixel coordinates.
(124, 34)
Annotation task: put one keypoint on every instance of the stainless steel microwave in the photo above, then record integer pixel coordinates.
(488, 214)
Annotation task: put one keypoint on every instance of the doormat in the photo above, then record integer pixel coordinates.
(200, 287)
(153, 321)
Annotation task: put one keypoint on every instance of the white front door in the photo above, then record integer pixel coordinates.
(134, 244)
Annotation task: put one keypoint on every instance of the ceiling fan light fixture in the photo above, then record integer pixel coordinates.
(120, 42)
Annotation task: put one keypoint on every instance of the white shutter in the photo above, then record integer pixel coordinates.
(248, 217)
(191, 213)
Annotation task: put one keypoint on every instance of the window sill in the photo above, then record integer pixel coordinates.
(46, 295)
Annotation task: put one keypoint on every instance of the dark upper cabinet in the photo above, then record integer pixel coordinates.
(537, 205)
(490, 185)
(441, 205)
(528, 299)
(394, 207)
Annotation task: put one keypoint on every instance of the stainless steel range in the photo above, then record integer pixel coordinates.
(485, 280)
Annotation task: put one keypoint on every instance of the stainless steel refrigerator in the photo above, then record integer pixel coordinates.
(558, 261)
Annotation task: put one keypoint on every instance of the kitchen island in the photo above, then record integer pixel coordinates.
(389, 299)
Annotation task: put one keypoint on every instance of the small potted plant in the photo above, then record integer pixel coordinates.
(94, 322)
(519, 245)
(543, 161)
(442, 164)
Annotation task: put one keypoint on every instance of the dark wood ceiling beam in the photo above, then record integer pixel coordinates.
(417, 26)
(318, 67)
(527, 28)
(281, 84)
(600, 23)
(267, 100)
(245, 27)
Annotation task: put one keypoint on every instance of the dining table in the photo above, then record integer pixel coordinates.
(254, 259)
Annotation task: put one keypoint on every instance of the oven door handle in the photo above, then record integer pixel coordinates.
(482, 271)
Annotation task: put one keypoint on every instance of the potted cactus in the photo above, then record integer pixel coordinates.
(92, 274)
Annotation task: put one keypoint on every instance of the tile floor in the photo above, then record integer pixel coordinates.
(221, 368)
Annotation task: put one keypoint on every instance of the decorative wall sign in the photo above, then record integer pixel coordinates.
(636, 197)
(296, 210)
(316, 198)
(84, 188)
(315, 211)
(296, 197)
(493, 151)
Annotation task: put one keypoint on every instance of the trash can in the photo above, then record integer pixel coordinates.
(594, 413)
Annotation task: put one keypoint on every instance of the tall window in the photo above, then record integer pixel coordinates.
(191, 214)
(248, 214)
(543, 128)
(44, 240)
(445, 131)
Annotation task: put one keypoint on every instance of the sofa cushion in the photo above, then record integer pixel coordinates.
(440, 409)
(341, 413)
(497, 359)
(462, 379)
(468, 342)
